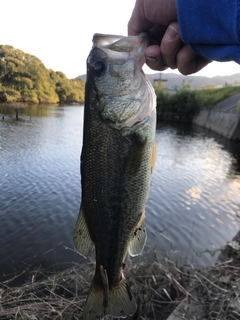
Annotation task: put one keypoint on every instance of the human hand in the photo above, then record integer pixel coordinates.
(159, 19)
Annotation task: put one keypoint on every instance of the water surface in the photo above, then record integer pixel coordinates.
(193, 207)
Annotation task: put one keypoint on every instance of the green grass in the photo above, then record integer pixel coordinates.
(187, 101)
(238, 106)
(216, 95)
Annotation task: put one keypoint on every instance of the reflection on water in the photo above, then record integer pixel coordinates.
(193, 204)
(197, 181)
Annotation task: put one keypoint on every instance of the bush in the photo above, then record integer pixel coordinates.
(184, 101)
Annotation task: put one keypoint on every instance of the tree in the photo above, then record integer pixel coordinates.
(24, 78)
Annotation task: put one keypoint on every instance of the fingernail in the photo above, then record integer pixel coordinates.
(172, 33)
(151, 58)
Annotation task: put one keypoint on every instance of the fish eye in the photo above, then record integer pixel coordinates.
(99, 67)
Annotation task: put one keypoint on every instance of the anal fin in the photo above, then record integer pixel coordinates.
(82, 239)
(139, 237)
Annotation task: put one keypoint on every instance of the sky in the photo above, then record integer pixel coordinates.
(59, 32)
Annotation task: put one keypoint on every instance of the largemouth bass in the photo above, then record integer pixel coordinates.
(116, 164)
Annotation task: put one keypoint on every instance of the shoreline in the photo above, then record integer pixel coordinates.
(223, 123)
(216, 296)
(162, 291)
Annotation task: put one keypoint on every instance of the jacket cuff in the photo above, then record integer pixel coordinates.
(209, 21)
(218, 53)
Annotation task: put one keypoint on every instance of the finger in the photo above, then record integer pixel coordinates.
(154, 58)
(138, 22)
(156, 34)
(189, 62)
(147, 13)
(170, 45)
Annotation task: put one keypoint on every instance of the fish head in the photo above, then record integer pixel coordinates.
(114, 71)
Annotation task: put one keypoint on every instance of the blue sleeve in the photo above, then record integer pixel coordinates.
(211, 27)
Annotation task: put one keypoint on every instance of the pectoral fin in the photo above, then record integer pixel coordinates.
(136, 153)
(139, 238)
(82, 239)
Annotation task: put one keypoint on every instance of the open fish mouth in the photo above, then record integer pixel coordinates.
(117, 43)
(116, 62)
(120, 48)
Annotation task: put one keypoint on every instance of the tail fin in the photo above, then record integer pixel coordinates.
(120, 302)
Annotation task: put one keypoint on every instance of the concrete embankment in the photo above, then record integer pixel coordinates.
(225, 124)
(223, 119)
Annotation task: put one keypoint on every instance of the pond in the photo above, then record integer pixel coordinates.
(193, 207)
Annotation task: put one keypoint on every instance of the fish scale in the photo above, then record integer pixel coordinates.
(116, 167)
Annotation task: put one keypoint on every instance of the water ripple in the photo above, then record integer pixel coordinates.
(193, 205)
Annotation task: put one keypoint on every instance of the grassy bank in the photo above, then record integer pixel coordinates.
(158, 289)
(186, 101)
(216, 95)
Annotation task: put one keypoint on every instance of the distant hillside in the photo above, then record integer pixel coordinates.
(83, 77)
(174, 79)
(24, 78)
